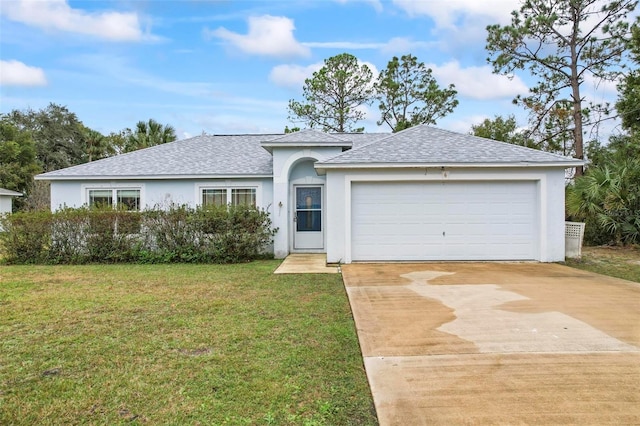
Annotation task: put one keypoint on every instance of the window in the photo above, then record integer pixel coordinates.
(126, 199)
(308, 209)
(243, 197)
(214, 197)
(100, 197)
(224, 196)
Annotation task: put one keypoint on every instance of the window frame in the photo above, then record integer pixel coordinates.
(230, 188)
(115, 196)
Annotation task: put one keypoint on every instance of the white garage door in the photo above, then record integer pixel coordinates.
(444, 221)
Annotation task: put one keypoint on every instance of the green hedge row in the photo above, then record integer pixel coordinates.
(227, 234)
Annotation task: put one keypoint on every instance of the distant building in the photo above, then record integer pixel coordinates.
(6, 196)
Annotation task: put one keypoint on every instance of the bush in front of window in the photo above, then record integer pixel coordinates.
(213, 234)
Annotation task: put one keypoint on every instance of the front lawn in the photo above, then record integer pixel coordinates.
(178, 344)
(621, 262)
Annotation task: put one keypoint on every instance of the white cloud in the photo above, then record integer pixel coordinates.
(292, 76)
(371, 115)
(404, 45)
(445, 15)
(16, 73)
(478, 82)
(396, 45)
(346, 45)
(268, 35)
(58, 15)
(463, 124)
(376, 4)
(598, 85)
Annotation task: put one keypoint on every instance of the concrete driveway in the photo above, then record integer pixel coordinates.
(497, 343)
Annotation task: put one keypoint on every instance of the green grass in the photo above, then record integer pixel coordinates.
(178, 344)
(613, 261)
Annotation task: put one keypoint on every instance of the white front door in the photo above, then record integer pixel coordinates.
(308, 218)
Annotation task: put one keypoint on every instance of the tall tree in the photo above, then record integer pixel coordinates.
(97, 145)
(18, 163)
(58, 135)
(409, 94)
(333, 94)
(629, 87)
(502, 129)
(149, 133)
(562, 43)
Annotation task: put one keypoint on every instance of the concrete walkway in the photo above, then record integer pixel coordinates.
(306, 264)
(490, 343)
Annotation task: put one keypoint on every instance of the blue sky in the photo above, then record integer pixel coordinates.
(230, 66)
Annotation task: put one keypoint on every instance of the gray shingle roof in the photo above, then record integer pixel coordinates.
(429, 145)
(199, 156)
(244, 155)
(309, 136)
(206, 155)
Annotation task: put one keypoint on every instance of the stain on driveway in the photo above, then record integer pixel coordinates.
(491, 343)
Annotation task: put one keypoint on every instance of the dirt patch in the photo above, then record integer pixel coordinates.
(628, 253)
(195, 352)
(481, 317)
(391, 321)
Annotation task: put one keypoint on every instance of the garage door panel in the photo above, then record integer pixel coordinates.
(452, 221)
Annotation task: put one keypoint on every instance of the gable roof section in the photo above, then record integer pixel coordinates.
(424, 145)
(205, 156)
(307, 138)
(198, 157)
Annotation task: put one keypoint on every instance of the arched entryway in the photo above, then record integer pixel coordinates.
(307, 201)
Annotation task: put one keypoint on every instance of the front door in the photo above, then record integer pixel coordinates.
(307, 218)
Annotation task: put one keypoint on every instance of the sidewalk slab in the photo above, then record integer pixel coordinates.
(299, 263)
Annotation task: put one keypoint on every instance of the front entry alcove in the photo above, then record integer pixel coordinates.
(307, 212)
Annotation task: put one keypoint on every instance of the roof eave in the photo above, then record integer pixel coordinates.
(270, 145)
(555, 164)
(43, 177)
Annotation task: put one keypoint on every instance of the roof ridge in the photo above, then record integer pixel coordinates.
(294, 135)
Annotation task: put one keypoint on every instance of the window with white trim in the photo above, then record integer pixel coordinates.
(214, 197)
(122, 198)
(224, 196)
(243, 197)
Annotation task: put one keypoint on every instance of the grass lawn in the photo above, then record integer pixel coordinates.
(178, 344)
(614, 261)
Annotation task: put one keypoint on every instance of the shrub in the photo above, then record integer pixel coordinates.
(607, 199)
(68, 236)
(224, 234)
(108, 236)
(26, 237)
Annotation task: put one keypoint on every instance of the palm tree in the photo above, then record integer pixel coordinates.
(148, 134)
(98, 146)
(608, 197)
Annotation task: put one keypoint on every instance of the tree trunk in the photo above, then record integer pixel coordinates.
(575, 86)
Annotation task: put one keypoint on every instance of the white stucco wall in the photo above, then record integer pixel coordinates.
(550, 184)
(286, 173)
(5, 204)
(158, 192)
